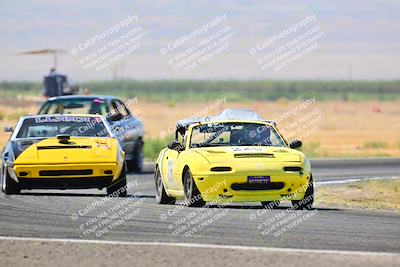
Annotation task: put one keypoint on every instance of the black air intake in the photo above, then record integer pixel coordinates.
(65, 172)
(63, 147)
(221, 169)
(251, 187)
(254, 155)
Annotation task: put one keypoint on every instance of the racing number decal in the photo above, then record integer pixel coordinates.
(246, 149)
(170, 165)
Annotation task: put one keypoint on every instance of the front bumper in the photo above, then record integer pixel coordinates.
(62, 183)
(233, 186)
(66, 176)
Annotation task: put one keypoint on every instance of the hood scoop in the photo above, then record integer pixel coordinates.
(254, 155)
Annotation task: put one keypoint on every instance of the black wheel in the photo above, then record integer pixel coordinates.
(270, 204)
(136, 163)
(118, 188)
(193, 197)
(161, 195)
(308, 200)
(9, 186)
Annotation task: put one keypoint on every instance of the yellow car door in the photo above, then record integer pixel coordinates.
(170, 168)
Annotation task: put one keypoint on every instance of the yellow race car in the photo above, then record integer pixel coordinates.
(236, 156)
(63, 152)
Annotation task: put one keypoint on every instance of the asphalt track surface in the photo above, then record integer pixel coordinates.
(89, 215)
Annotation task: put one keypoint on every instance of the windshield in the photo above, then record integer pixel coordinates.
(43, 127)
(75, 106)
(235, 134)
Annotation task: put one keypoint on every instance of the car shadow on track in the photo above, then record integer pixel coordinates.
(79, 195)
(259, 207)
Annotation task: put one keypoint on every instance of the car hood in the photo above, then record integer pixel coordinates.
(251, 153)
(78, 150)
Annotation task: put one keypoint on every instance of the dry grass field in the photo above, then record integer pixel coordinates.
(327, 129)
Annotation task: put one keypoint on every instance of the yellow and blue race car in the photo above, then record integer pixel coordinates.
(63, 152)
(236, 156)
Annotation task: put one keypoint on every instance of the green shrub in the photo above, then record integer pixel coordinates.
(171, 91)
(153, 146)
(375, 144)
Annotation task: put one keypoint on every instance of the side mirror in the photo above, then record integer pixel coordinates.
(175, 145)
(295, 144)
(8, 129)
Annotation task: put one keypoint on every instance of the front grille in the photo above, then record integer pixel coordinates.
(65, 183)
(63, 147)
(65, 172)
(267, 186)
(254, 155)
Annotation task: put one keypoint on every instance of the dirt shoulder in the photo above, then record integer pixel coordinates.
(373, 194)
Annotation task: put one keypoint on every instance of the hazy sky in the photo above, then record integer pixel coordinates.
(359, 40)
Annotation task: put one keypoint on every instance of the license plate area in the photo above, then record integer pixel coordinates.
(258, 179)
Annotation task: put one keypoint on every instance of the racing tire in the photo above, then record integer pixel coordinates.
(308, 200)
(9, 186)
(161, 194)
(136, 164)
(270, 204)
(193, 196)
(118, 188)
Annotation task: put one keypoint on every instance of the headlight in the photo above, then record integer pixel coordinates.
(12, 173)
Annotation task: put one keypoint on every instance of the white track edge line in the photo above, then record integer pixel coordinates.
(198, 245)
